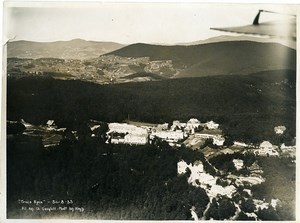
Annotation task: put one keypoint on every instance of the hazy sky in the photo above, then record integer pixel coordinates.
(127, 22)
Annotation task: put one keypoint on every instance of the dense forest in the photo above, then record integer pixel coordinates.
(248, 107)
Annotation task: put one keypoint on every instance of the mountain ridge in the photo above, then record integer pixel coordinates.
(231, 57)
(71, 49)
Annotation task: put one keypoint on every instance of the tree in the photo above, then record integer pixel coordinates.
(84, 132)
(267, 214)
(15, 128)
(228, 141)
(101, 132)
(243, 217)
(69, 136)
(199, 128)
(226, 209)
(248, 206)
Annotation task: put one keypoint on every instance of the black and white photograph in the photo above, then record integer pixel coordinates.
(149, 111)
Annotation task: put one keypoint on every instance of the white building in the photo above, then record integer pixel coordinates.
(136, 139)
(274, 203)
(203, 136)
(266, 149)
(212, 125)
(279, 129)
(239, 144)
(117, 140)
(238, 163)
(266, 145)
(181, 167)
(161, 127)
(170, 136)
(125, 128)
(218, 140)
(127, 134)
(192, 124)
(177, 125)
(50, 123)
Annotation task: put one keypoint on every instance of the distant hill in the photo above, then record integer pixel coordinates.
(220, 58)
(73, 49)
(226, 38)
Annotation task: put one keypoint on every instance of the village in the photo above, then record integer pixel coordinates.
(103, 70)
(189, 133)
(192, 134)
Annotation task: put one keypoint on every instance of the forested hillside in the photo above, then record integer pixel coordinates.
(247, 107)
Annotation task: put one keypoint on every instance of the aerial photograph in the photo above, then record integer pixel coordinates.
(150, 111)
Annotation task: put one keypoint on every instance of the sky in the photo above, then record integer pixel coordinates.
(127, 23)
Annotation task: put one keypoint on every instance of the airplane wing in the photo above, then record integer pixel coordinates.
(285, 28)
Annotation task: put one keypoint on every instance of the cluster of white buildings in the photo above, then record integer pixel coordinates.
(156, 66)
(123, 133)
(192, 133)
(192, 125)
(199, 178)
(266, 148)
(254, 178)
(117, 67)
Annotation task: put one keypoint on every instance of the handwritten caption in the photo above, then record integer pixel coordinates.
(49, 205)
